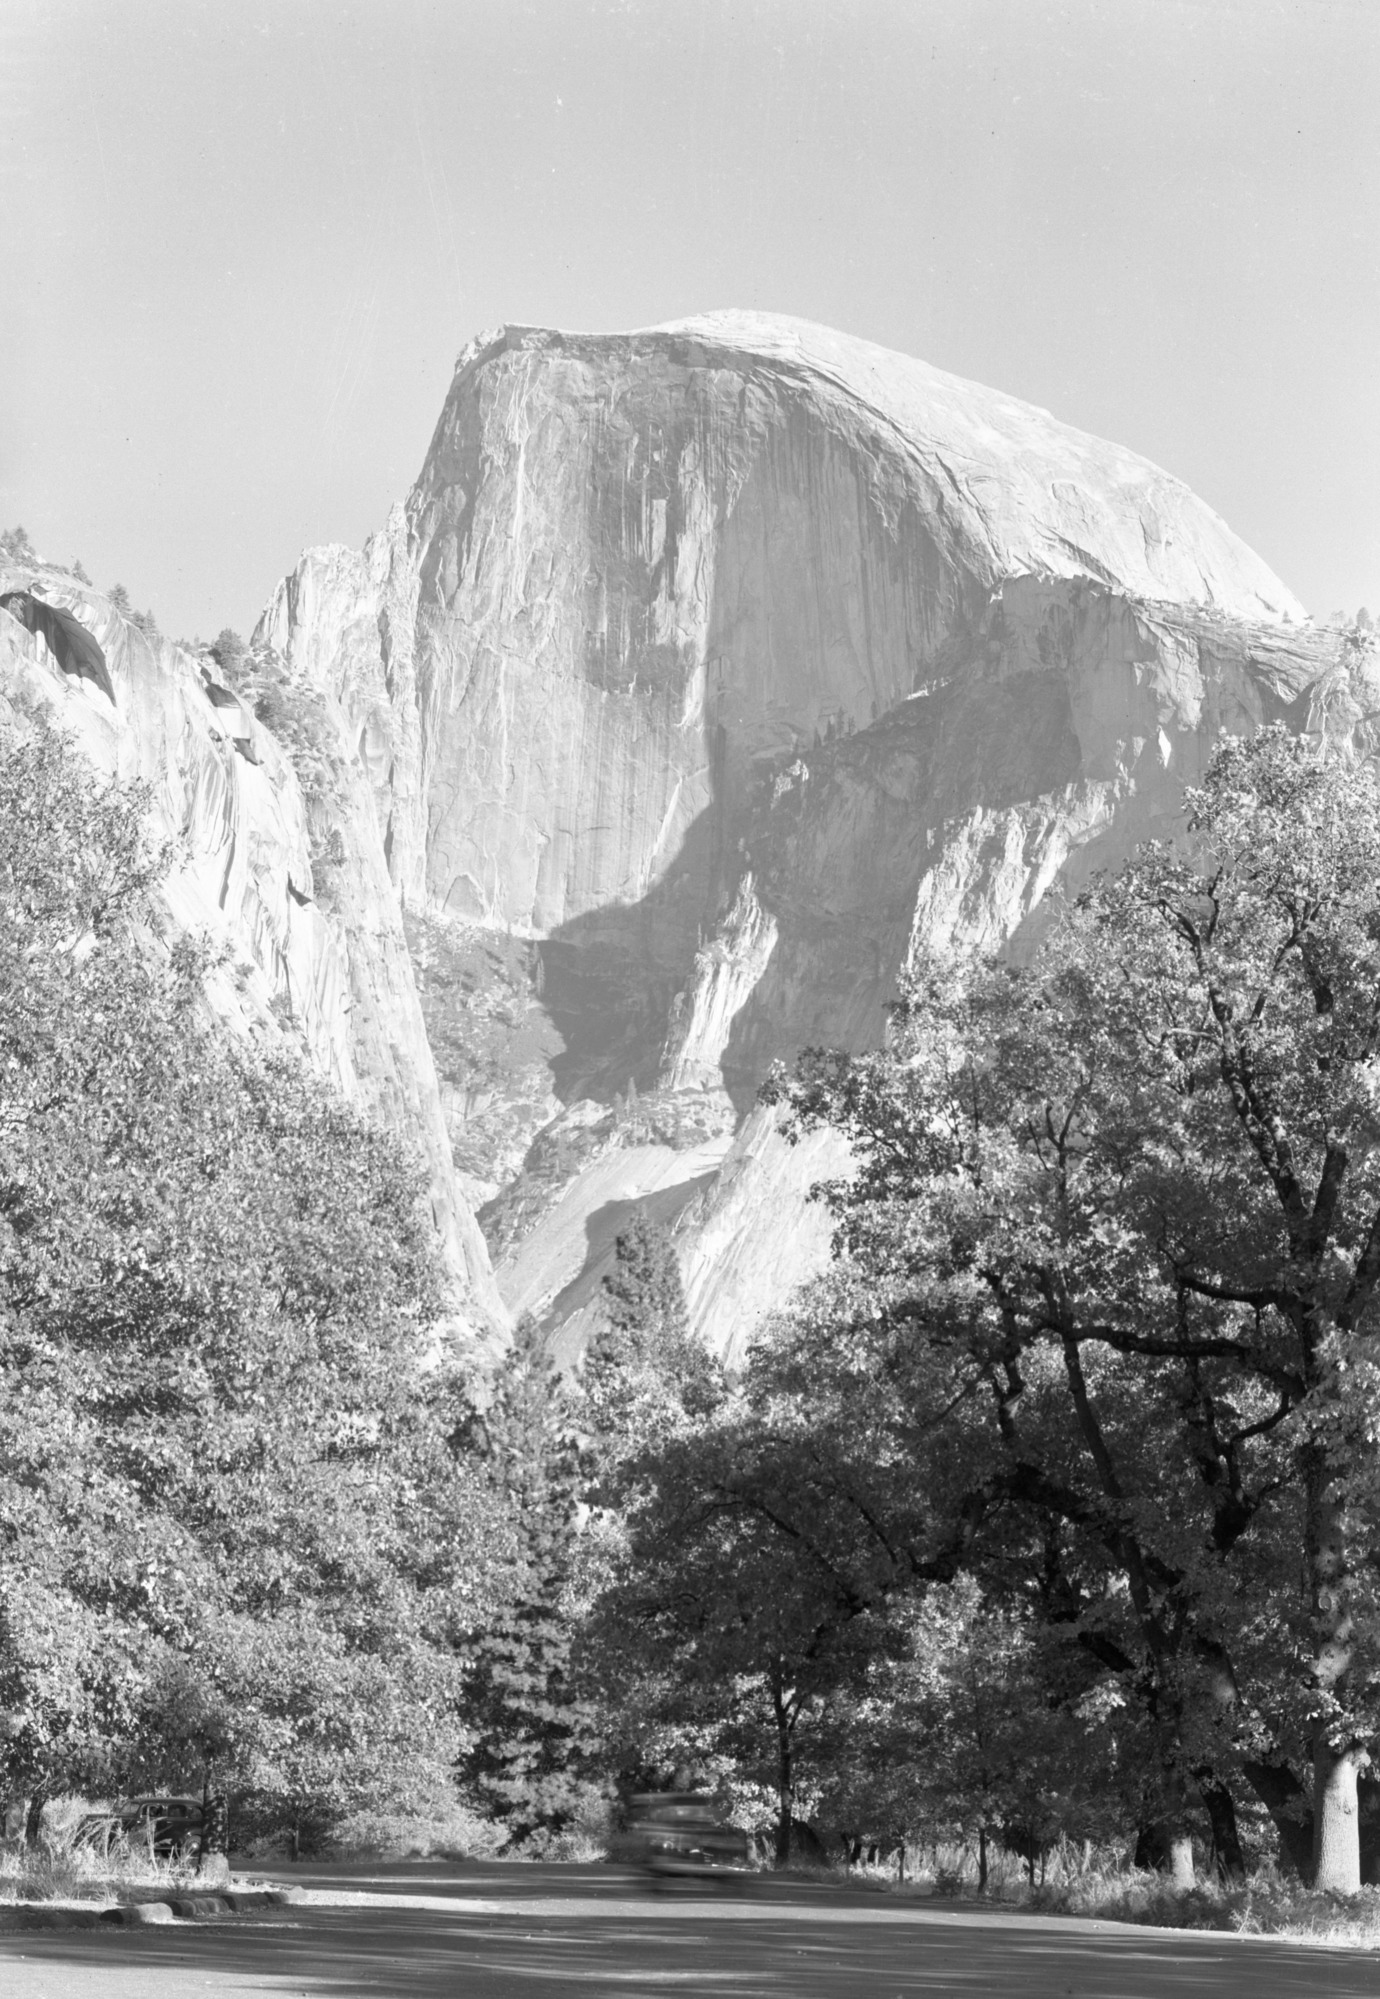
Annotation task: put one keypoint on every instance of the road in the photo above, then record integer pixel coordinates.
(420, 1930)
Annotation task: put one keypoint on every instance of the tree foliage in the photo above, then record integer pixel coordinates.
(643, 1374)
(532, 1755)
(227, 1484)
(1127, 1201)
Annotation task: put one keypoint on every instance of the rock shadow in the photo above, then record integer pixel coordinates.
(608, 979)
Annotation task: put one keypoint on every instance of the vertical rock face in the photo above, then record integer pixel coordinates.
(279, 859)
(704, 674)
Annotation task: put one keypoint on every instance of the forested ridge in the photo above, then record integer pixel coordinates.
(1050, 1512)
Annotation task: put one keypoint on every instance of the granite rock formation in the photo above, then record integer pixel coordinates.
(704, 674)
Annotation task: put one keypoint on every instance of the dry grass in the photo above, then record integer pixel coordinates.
(1080, 1882)
(1263, 1905)
(58, 1871)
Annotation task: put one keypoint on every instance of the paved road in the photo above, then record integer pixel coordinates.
(423, 1930)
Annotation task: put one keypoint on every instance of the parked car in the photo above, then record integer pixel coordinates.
(171, 1826)
(679, 1834)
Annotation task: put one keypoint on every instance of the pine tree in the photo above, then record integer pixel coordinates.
(534, 1745)
(227, 649)
(643, 1294)
(644, 1370)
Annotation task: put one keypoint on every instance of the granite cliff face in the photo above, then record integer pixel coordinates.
(280, 861)
(705, 672)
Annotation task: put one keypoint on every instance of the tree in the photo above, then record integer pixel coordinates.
(1134, 1190)
(736, 1604)
(644, 1373)
(643, 1294)
(994, 1730)
(228, 650)
(223, 1444)
(533, 1751)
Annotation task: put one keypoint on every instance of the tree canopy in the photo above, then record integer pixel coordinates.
(232, 1511)
(1122, 1208)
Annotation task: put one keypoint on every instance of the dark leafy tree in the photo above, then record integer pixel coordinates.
(1131, 1197)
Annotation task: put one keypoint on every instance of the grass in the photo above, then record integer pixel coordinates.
(1077, 1881)
(1265, 1904)
(58, 1870)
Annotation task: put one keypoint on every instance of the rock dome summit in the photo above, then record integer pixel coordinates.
(705, 672)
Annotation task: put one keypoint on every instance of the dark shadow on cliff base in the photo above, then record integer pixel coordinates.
(608, 979)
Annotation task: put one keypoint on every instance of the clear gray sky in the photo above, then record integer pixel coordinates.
(243, 243)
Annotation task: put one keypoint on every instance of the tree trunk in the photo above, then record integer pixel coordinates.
(982, 1860)
(1368, 1813)
(1336, 1821)
(1285, 1799)
(1179, 1856)
(203, 1845)
(1227, 1857)
(1167, 1847)
(785, 1774)
(33, 1822)
(214, 1844)
(783, 1805)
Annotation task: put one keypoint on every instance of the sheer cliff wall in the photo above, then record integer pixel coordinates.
(705, 673)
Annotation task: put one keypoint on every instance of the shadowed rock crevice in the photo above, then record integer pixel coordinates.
(609, 979)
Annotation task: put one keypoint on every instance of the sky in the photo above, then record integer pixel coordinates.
(244, 243)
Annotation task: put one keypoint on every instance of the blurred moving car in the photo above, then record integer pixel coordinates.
(680, 1834)
(171, 1826)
